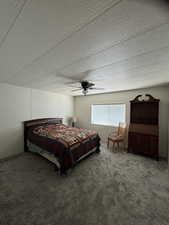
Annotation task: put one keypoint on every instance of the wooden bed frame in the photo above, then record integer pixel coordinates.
(29, 123)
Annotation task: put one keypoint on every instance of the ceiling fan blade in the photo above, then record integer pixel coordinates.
(69, 83)
(74, 86)
(78, 89)
(96, 88)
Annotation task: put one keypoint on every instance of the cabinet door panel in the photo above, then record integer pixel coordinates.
(154, 146)
(143, 144)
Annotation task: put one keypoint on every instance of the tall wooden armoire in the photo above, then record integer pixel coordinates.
(143, 135)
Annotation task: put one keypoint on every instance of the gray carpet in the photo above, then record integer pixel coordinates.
(105, 189)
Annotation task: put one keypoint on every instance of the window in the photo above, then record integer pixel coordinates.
(108, 114)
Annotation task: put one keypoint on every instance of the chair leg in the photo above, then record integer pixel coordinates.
(113, 145)
(118, 146)
(124, 146)
(107, 143)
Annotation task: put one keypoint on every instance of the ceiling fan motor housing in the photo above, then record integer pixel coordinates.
(85, 84)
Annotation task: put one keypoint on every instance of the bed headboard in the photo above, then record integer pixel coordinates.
(30, 123)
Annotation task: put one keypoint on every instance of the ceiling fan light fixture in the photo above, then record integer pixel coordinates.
(85, 91)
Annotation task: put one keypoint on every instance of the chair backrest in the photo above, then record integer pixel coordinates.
(121, 129)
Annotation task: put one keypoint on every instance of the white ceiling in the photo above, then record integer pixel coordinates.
(118, 44)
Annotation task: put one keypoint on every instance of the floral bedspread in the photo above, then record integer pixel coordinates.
(69, 136)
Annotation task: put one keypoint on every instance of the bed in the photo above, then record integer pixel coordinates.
(63, 145)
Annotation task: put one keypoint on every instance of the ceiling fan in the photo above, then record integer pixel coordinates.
(85, 86)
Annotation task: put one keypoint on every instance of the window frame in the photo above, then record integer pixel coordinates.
(93, 124)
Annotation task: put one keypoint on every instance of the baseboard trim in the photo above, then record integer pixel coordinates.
(11, 157)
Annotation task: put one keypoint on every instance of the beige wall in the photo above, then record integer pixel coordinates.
(83, 111)
(18, 104)
(14, 108)
(47, 104)
(168, 144)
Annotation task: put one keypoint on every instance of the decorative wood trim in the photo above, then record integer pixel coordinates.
(136, 99)
(150, 99)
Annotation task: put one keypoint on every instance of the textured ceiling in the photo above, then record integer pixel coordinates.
(119, 44)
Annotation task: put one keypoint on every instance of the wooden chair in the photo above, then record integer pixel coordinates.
(119, 137)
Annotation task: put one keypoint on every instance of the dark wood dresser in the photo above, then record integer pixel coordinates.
(143, 137)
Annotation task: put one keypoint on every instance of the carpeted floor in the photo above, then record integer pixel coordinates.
(105, 189)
